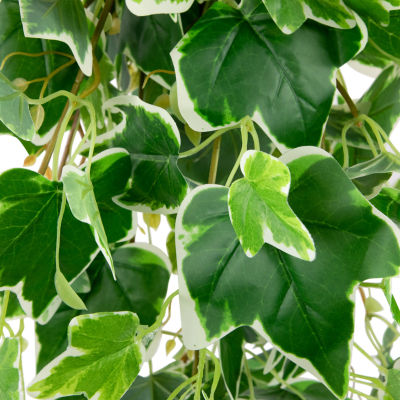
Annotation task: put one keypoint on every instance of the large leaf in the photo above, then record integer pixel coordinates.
(388, 201)
(142, 273)
(28, 219)
(101, 361)
(259, 209)
(152, 139)
(156, 386)
(63, 20)
(248, 67)
(304, 308)
(147, 7)
(14, 110)
(12, 39)
(9, 373)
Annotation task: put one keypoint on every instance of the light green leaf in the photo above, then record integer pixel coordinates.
(289, 15)
(388, 201)
(157, 386)
(82, 201)
(14, 110)
(142, 273)
(303, 308)
(382, 163)
(29, 206)
(147, 7)
(9, 374)
(152, 139)
(259, 209)
(63, 20)
(101, 361)
(250, 68)
(393, 383)
(66, 293)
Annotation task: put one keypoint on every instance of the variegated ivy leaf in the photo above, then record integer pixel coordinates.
(148, 7)
(101, 361)
(81, 199)
(382, 163)
(14, 110)
(152, 139)
(259, 210)
(63, 20)
(9, 373)
(303, 308)
(289, 15)
(250, 68)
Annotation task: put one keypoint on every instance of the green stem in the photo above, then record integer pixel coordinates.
(186, 393)
(395, 331)
(199, 380)
(249, 378)
(217, 373)
(6, 298)
(159, 319)
(8, 327)
(204, 144)
(288, 386)
(59, 223)
(181, 387)
(254, 136)
(369, 140)
(381, 369)
(243, 131)
(374, 382)
(374, 340)
(361, 394)
(20, 367)
(373, 285)
(346, 127)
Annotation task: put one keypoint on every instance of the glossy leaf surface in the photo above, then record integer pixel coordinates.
(260, 212)
(99, 345)
(63, 20)
(282, 293)
(250, 68)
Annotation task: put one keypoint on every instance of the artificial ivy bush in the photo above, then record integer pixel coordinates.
(234, 121)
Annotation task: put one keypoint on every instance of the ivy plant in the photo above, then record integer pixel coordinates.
(233, 121)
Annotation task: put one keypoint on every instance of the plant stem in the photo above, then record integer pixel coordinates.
(20, 367)
(383, 370)
(361, 394)
(6, 298)
(372, 285)
(347, 98)
(217, 373)
(249, 378)
(212, 176)
(254, 136)
(204, 144)
(181, 386)
(199, 380)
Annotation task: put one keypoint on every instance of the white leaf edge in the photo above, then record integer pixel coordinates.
(193, 334)
(149, 7)
(267, 233)
(85, 64)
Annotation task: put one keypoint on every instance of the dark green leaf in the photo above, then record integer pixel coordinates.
(280, 293)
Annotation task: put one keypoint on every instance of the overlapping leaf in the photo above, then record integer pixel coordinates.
(63, 20)
(142, 273)
(260, 212)
(220, 288)
(148, 7)
(152, 139)
(9, 373)
(248, 67)
(382, 163)
(99, 345)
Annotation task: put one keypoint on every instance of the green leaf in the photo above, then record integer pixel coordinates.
(82, 201)
(250, 68)
(14, 110)
(259, 209)
(382, 163)
(67, 293)
(142, 280)
(393, 383)
(101, 361)
(14, 309)
(156, 386)
(152, 139)
(62, 20)
(231, 355)
(28, 219)
(290, 15)
(149, 41)
(388, 201)
(304, 308)
(12, 39)
(147, 7)
(9, 374)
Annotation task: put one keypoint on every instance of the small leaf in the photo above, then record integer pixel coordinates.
(194, 136)
(259, 208)
(170, 345)
(99, 346)
(152, 220)
(372, 305)
(9, 376)
(14, 110)
(63, 20)
(147, 7)
(162, 101)
(66, 293)
(30, 160)
(82, 201)
(37, 113)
